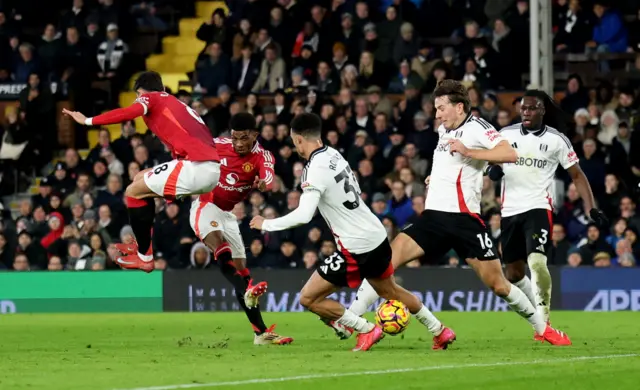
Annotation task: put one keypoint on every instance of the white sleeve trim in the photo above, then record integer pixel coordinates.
(303, 214)
(88, 121)
(146, 109)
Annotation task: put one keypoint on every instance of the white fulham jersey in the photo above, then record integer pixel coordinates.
(456, 181)
(527, 183)
(354, 226)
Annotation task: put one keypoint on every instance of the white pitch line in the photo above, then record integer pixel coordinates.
(381, 372)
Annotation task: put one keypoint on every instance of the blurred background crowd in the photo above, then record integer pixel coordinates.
(366, 67)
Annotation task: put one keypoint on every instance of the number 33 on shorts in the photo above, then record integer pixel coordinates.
(332, 263)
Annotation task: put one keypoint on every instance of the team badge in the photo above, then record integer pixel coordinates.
(247, 167)
(214, 223)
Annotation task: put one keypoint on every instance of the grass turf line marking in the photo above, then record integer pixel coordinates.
(381, 372)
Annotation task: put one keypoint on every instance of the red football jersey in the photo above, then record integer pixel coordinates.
(238, 173)
(177, 125)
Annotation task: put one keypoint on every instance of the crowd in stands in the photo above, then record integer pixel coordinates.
(302, 55)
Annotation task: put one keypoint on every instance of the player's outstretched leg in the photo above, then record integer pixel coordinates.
(515, 273)
(142, 211)
(541, 279)
(404, 249)
(240, 278)
(314, 298)
(389, 289)
(490, 272)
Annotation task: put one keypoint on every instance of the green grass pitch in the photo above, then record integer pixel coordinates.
(215, 350)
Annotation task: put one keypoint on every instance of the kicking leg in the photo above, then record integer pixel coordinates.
(490, 272)
(541, 279)
(515, 273)
(389, 289)
(404, 249)
(314, 298)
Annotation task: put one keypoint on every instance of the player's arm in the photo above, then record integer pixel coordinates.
(487, 145)
(582, 186)
(266, 174)
(308, 204)
(501, 153)
(569, 161)
(118, 115)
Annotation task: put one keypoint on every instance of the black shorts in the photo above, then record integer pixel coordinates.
(344, 269)
(437, 232)
(526, 233)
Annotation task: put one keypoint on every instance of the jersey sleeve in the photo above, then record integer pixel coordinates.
(567, 157)
(147, 101)
(118, 115)
(265, 168)
(313, 180)
(488, 138)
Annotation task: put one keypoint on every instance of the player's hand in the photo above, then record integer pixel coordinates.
(75, 115)
(260, 184)
(599, 217)
(426, 182)
(458, 147)
(256, 222)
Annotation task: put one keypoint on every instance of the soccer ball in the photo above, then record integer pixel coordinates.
(393, 317)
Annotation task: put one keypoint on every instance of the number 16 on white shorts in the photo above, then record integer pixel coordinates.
(206, 217)
(178, 178)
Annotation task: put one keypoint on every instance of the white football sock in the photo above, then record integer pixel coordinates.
(541, 279)
(521, 305)
(524, 284)
(354, 321)
(366, 297)
(427, 319)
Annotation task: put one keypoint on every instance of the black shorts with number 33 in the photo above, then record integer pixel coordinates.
(526, 233)
(437, 232)
(345, 269)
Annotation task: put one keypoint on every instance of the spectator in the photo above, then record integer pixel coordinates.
(145, 13)
(325, 80)
(245, 70)
(56, 226)
(404, 78)
(272, 72)
(424, 61)
(111, 57)
(609, 33)
(593, 245)
(608, 127)
(574, 29)
(214, 71)
(576, 97)
(26, 64)
(560, 245)
(49, 50)
(617, 232)
(214, 30)
(593, 167)
(75, 17)
(244, 37)
(200, 256)
(399, 206)
(406, 45)
(389, 28)
(340, 58)
(371, 72)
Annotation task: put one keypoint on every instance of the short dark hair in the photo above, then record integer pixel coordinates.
(149, 81)
(455, 91)
(243, 121)
(307, 125)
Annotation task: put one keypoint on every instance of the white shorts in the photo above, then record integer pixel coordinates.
(206, 217)
(181, 177)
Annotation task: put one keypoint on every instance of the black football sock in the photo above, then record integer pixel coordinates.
(240, 284)
(141, 215)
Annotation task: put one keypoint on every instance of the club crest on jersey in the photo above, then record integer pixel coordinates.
(214, 223)
(247, 167)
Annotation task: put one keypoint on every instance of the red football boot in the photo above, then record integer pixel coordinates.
(253, 293)
(443, 340)
(555, 337)
(367, 340)
(135, 262)
(538, 337)
(127, 249)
